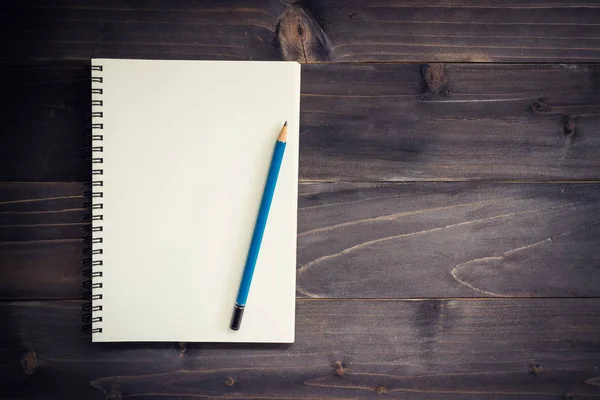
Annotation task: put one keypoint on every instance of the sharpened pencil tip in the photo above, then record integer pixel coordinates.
(283, 134)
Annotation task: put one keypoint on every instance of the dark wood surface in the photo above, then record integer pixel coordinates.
(462, 121)
(448, 222)
(350, 31)
(359, 349)
(360, 240)
(398, 122)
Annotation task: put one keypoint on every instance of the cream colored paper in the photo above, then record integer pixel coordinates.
(187, 147)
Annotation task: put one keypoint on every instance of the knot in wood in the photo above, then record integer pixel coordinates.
(300, 38)
(569, 128)
(338, 369)
(29, 362)
(182, 347)
(380, 390)
(535, 369)
(434, 77)
(229, 382)
(540, 107)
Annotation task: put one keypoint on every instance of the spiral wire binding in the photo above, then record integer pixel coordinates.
(93, 239)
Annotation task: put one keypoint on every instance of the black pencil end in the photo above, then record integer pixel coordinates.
(285, 123)
(236, 319)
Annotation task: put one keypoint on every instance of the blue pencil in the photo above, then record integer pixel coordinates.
(259, 229)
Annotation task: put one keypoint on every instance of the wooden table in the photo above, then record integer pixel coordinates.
(449, 207)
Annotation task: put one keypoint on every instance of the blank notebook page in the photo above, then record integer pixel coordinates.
(186, 151)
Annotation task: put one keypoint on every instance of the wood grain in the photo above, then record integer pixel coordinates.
(41, 231)
(45, 114)
(404, 122)
(300, 38)
(423, 349)
(359, 122)
(464, 30)
(459, 243)
(361, 240)
(448, 240)
(400, 30)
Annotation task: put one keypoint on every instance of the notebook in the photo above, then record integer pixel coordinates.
(181, 151)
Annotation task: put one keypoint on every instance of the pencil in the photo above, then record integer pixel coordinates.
(259, 229)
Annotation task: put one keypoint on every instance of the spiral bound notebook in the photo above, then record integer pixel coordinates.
(181, 151)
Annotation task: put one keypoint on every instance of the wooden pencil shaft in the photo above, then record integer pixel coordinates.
(259, 228)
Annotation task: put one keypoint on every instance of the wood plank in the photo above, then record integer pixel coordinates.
(361, 240)
(423, 349)
(359, 122)
(400, 30)
(448, 240)
(41, 231)
(173, 29)
(45, 112)
(387, 122)
(463, 31)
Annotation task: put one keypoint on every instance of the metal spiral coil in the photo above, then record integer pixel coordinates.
(92, 240)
